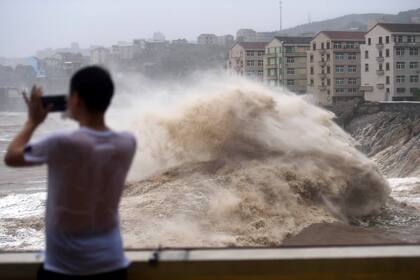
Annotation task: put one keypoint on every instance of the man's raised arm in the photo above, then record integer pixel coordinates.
(36, 115)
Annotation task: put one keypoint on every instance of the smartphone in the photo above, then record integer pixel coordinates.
(58, 102)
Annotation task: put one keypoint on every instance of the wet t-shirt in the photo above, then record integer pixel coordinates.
(86, 175)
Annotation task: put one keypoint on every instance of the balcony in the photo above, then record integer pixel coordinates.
(380, 59)
(407, 44)
(322, 63)
(380, 86)
(366, 88)
(322, 75)
(380, 46)
(301, 54)
(380, 72)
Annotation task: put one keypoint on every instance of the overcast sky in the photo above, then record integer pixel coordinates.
(30, 25)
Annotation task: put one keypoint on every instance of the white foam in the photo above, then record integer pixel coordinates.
(15, 206)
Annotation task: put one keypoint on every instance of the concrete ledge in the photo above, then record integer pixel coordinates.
(367, 262)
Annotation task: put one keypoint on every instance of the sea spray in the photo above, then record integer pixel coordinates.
(239, 164)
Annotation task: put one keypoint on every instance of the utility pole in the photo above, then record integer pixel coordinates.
(281, 16)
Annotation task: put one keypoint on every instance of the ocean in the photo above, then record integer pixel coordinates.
(237, 165)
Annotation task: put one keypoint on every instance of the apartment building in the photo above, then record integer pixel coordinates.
(285, 63)
(247, 59)
(100, 55)
(334, 66)
(207, 39)
(391, 62)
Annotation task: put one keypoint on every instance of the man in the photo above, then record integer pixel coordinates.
(87, 169)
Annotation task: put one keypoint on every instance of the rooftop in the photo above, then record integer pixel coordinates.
(294, 40)
(344, 35)
(253, 45)
(400, 27)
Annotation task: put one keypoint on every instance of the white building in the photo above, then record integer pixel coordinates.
(99, 55)
(247, 59)
(207, 39)
(158, 37)
(391, 62)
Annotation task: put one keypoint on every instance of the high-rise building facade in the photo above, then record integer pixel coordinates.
(334, 72)
(285, 63)
(391, 62)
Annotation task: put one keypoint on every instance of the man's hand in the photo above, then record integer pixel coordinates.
(36, 115)
(36, 111)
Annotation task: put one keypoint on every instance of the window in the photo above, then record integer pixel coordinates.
(351, 68)
(369, 41)
(399, 39)
(311, 58)
(380, 40)
(387, 52)
(339, 56)
(290, 60)
(314, 46)
(380, 54)
(339, 90)
(414, 51)
(312, 70)
(260, 63)
(337, 45)
(260, 72)
(387, 66)
(249, 53)
(328, 45)
(260, 53)
(387, 80)
(272, 61)
(400, 79)
(290, 49)
(400, 90)
(339, 82)
(328, 69)
(328, 82)
(366, 67)
(381, 68)
(352, 56)
(352, 90)
(414, 65)
(250, 63)
(339, 69)
(290, 82)
(387, 39)
(400, 65)
(409, 39)
(349, 45)
(290, 71)
(322, 46)
(400, 51)
(366, 54)
(414, 78)
(328, 57)
(352, 81)
(272, 72)
(312, 82)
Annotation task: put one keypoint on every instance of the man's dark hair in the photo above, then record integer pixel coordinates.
(94, 86)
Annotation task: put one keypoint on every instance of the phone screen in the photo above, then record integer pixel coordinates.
(58, 102)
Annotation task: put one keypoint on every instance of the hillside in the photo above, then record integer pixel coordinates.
(353, 21)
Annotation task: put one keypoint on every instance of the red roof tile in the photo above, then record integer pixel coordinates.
(345, 35)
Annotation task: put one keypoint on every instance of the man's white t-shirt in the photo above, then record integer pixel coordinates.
(87, 170)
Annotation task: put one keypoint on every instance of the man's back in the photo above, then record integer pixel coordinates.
(86, 174)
